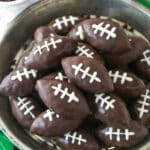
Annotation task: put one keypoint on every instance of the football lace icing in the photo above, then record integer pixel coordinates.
(103, 29)
(64, 21)
(75, 138)
(64, 92)
(86, 73)
(24, 74)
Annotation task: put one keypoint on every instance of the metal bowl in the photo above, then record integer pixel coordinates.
(41, 13)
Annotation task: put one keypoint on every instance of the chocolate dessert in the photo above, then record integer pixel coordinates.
(85, 83)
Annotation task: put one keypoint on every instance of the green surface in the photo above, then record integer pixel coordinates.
(5, 144)
(145, 2)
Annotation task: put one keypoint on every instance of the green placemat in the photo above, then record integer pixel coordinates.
(5, 144)
(145, 2)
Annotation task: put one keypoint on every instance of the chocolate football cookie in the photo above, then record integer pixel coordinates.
(78, 140)
(126, 136)
(25, 110)
(41, 33)
(62, 25)
(126, 83)
(139, 45)
(106, 35)
(140, 108)
(19, 82)
(84, 49)
(90, 75)
(142, 65)
(51, 123)
(48, 53)
(111, 110)
(64, 97)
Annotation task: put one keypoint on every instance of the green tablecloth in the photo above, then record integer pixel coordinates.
(5, 144)
(145, 2)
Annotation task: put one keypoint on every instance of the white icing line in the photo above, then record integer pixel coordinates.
(144, 102)
(146, 57)
(23, 104)
(103, 29)
(75, 137)
(85, 73)
(50, 114)
(47, 45)
(118, 134)
(124, 77)
(80, 33)
(84, 51)
(25, 73)
(65, 21)
(60, 76)
(105, 100)
(65, 92)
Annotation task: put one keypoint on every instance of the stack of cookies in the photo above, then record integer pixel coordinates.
(84, 83)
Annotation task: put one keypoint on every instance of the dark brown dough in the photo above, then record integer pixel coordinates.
(126, 136)
(140, 108)
(126, 84)
(139, 45)
(41, 33)
(110, 109)
(19, 82)
(25, 110)
(106, 35)
(78, 140)
(88, 74)
(142, 65)
(64, 97)
(48, 53)
(62, 25)
(50, 123)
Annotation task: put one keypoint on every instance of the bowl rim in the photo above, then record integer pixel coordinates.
(3, 127)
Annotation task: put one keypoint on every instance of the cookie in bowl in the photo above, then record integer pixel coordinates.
(76, 85)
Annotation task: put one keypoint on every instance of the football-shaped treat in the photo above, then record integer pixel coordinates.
(111, 110)
(86, 50)
(123, 137)
(62, 25)
(63, 97)
(51, 123)
(48, 53)
(88, 74)
(19, 82)
(126, 83)
(141, 107)
(41, 33)
(142, 65)
(138, 46)
(77, 33)
(25, 110)
(106, 35)
(78, 140)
